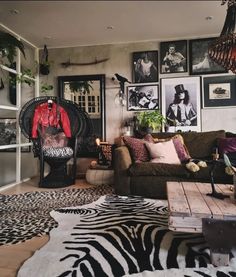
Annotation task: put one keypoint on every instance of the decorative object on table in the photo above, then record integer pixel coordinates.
(8, 45)
(105, 153)
(173, 56)
(223, 49)
(141, 228)
(145, 67)
(150, 121)
(181, 103)
(214, 162)
(44, 65)
(199, 61)
(219, 91)
(143, 97)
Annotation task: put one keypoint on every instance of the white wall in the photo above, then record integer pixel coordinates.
(121, 62)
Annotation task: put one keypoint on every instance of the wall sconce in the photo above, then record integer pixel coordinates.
(223, 49)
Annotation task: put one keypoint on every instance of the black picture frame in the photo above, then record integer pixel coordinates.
(177, 63)
(199, 61)
(96, 84)
(143, 97)
(192, 84)
(8, 135)
(219, 92)
(145, 71)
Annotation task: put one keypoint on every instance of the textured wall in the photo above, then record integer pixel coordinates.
(121, 62)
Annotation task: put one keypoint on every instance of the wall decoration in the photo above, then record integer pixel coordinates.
(181, 103)
(142, 97)
(199, 60)
(145, 67)
(173, 56)
(219, 91)
(8, 135)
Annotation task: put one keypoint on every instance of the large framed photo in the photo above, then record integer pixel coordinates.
(145, 67)
(219, 91)
(199, 60)
(173, 56)
(8, 135)
(181, 103)
(142, 97)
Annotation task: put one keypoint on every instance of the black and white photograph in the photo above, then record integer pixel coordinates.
(145, 67)
(199, 60)
(181, 103)
(173, 56)
(219, 91)
(8, 135)
(142, 97)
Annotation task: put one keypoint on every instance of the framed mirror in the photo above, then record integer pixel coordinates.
(88, 91)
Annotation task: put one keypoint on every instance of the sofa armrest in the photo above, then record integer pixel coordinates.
(122, 163)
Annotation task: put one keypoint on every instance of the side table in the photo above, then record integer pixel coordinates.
(100, 176)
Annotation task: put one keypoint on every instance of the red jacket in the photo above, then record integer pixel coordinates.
(48, 117)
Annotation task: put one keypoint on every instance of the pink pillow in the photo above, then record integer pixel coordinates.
(180, 149)
(227, 145)
(163, 152)
(137, 149)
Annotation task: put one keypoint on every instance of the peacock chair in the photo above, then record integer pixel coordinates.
(56, 149)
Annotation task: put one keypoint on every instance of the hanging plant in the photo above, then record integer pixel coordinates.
(8, 46)
(44, 66)
(81, 86)
(45, 88)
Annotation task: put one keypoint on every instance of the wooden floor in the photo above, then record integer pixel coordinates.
(13, 256)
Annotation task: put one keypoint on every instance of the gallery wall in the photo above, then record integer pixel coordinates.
(120, 61)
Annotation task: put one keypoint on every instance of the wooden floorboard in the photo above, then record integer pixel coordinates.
(13, 256)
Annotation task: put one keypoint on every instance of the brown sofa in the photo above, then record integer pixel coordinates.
(149, 179)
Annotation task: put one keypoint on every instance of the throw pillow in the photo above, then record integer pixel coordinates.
(227, 145)
(137, 149)
(57, 140)
(180, 147)
(163, 152)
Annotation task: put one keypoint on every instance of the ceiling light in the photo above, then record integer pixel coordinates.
(209, 17)
(14, 11)
(110, 27)
(223, 49)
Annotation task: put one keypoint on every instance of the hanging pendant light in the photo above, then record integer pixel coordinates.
(223, 49)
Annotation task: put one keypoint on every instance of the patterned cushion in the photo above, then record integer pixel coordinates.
(58, 152)
(56, 140)
(227, 145)
(137, 148)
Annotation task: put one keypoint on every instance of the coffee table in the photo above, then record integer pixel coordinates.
(189, 204)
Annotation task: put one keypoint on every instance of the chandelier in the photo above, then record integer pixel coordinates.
(223, 49)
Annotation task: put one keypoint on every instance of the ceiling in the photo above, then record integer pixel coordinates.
(77, 23)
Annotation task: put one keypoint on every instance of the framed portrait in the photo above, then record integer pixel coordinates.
(219, 91)
(8, 135)
(142, 97)
(145, 67)
(173, 56)
(181, 103)
(199, 60)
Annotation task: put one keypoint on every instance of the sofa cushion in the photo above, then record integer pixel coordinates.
(227, 145)
(163, 152)
(137, 149)
(158, 169)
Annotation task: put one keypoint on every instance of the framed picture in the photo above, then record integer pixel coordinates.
(173, 56)
(199, 60)
(219, 91)
(142, 97)
(145, 67)
(8, 135)
(181, 103)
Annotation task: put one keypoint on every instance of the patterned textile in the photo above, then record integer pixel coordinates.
(57, 152)
(137, 148)
(57, 140)
(27, 215)
(115, 236)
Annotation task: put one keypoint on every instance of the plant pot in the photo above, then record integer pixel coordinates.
(44, 69)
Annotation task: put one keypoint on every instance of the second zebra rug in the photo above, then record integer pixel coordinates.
(117, 236)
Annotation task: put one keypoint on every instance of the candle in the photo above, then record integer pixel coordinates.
(216, 151)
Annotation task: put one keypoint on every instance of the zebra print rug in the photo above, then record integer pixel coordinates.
(118, 236)
(24, 216)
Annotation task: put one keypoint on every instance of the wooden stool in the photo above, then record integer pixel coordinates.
(100, 176)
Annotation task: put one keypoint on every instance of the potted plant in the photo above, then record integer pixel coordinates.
(45, 88)
(149, 121)
(8, 45)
